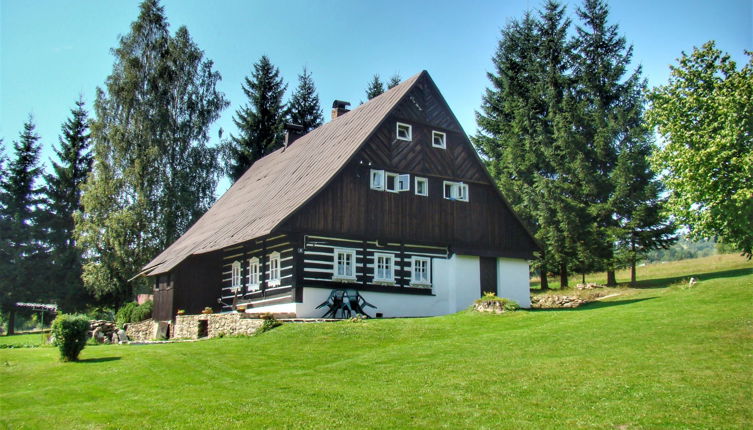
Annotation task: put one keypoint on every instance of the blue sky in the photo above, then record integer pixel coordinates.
(52, 51)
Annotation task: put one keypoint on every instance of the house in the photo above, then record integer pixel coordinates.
(390, 199)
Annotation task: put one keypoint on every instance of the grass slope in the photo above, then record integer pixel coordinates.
(660, 358)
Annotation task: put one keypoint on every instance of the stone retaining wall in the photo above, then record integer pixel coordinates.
(230, 324)
(141, 331)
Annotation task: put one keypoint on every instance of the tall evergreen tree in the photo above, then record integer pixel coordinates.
(22, 266)
(610, 117)
(304, 108)
(526, 137)
(260, 122)
(394, 81)
(63, 195)
(375, 88)
(153, 172)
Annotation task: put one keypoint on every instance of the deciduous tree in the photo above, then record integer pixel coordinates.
(704, 116)
(153, 173)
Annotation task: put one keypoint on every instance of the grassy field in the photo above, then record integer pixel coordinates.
(662, 357)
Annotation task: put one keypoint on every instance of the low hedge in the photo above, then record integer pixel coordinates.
(69, 332)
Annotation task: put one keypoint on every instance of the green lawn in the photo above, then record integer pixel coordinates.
(35, 339)
(660, 358)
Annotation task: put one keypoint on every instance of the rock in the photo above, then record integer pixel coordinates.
(98, 335)
(122, 336)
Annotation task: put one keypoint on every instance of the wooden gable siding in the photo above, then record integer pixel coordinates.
(348, 207)
(425, 111)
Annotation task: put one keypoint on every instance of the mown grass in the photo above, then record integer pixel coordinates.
(32, 339)
(663, 358)
(663, 274)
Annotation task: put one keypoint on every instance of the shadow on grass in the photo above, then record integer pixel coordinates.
(666, 282)
(98, 360)
(595, 305)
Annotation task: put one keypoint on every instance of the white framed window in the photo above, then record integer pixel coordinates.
(438, 139)
(253, 274)
(421, 186)
(404, 131)
(384, 267)
(420, 271)
(455, 191)
(235, 275)
(274, 269)
(377, 180)
(391, 182)
(403, 182)
(345, 264)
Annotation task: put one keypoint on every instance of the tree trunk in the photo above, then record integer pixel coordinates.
(544, 280)
(611, 279)
(583, 278)
(563, 276)
(632, 263)
(11, 322)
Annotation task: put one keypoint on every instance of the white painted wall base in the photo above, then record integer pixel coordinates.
(513, 280)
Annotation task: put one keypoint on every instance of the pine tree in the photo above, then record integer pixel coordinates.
(375, 88)
(23, 265)
(63, 194)
(153, 173)
(394, 81)
(609, 106)
(260, 122)
(304, 108)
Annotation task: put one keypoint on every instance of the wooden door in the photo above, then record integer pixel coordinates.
(488, 274)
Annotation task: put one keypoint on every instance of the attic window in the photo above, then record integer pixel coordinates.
(422, 186)
(438, 139)
(377, 180)
(455, 191)
(404, 132)
(395, 182)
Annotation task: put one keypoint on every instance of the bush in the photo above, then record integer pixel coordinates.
(70, 335)
(132, 313)
(506, 304)
(269, 323)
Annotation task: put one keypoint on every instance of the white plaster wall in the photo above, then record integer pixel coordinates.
(513, 280)
(456, 284)
(279, 308)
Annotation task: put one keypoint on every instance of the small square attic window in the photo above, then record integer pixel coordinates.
(404, 131)
(438, 139)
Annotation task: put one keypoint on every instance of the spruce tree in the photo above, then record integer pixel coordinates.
(23, 267)
(394, 81)
(304, 108)
(609, 111)
(63, 195)
(375, 88)
(153, 173)
(526, 137)
(260, 122)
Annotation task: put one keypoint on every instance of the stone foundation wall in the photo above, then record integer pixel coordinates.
(230, 324)
(141, 331)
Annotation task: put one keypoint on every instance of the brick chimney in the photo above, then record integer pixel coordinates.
(292, 133)
(339, 108)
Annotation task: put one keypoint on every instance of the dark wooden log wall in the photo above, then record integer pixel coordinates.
(319, 263)
(260, 248)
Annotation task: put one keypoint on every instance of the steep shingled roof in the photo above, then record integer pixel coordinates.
(281, 182)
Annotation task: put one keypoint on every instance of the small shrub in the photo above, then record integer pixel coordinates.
(269, 323)
(506, 304)
(70, 335)
(133, 313)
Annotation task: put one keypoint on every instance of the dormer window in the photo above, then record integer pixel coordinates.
(456, 191)
(404, 131)
(438, 139)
